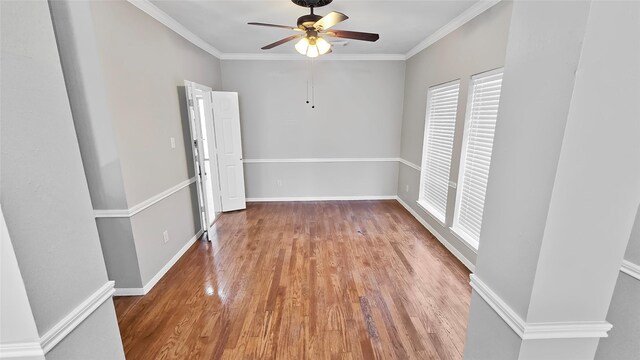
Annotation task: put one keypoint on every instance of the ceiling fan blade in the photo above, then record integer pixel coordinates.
(274, 25)
(356, 35)
(330, 20)
(280, 42)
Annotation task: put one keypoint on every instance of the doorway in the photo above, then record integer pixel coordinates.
(217, 151)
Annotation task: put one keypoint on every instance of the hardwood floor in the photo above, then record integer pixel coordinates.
(315, 280)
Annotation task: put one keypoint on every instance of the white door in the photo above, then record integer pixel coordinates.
(204, 155)
(226, 117)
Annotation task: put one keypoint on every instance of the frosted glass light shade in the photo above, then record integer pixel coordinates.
(323, 45)
(302, 46)
(312, 47)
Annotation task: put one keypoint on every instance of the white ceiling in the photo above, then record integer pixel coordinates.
(401, 24)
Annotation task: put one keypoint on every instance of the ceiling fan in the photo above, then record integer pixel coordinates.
(312, 26)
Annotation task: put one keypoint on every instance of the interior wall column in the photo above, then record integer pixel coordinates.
(563, 190)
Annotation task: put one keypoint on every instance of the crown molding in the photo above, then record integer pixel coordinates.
(545, 330)
(630, 269)
(329, 57)
(164, 18)
(173, 24)
(475, 10)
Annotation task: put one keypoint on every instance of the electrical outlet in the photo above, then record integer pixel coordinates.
(279, 182)
(406, 188)
(173, 142)
(165, 236)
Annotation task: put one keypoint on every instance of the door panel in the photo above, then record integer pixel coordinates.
(226, 116)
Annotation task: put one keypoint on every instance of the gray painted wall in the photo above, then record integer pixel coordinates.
(45, 197)
(174, 214)
(146, 100)
(539, 257)
(540, 54)
(358, 115)
(130, 83)
(624, 312)
(16, 323)
(477, 46)
(145, 64)
(514, 218)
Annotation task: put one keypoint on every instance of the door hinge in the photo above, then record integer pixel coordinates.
(190, 102)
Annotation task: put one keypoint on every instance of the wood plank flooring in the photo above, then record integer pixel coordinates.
(306, 280)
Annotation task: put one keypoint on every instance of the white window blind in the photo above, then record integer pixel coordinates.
(442, 105)
(482, 112)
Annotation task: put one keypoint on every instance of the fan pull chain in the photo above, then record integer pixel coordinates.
(313, 98)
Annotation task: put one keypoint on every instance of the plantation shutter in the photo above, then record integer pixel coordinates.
(442, 105)
(476, 154)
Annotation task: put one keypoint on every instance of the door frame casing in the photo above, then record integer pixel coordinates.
(198, 161)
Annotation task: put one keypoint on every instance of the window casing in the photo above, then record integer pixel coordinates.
(440, 123)
(477, 146)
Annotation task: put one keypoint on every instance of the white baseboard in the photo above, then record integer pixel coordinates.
(144, 290)
(630, 269)
(546, 330)
(438, 236)
(129, 292)
(323, 198)
(65, 326)
(21, 351)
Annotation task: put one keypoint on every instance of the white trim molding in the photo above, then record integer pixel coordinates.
(298, 57)
(409, 164)
(546, 330)
(331, 160)
(123, 213)
(21, 351)
(174, 25)
(323, 198)
(145, 290)
(65, 326)
(475, 10)
(630, 269)
(438, 236)
(168, 21)
(318, 160)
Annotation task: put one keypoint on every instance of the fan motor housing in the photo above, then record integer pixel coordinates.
(311, 3)
(307, 21)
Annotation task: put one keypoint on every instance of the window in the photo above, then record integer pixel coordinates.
(480, 124)
(442, 105)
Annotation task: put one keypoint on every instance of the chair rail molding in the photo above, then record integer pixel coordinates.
(65, 326)
(409, 164)
(123, 213)
(318, 160)
(21, 350)
(630, 269)
(538, 331)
